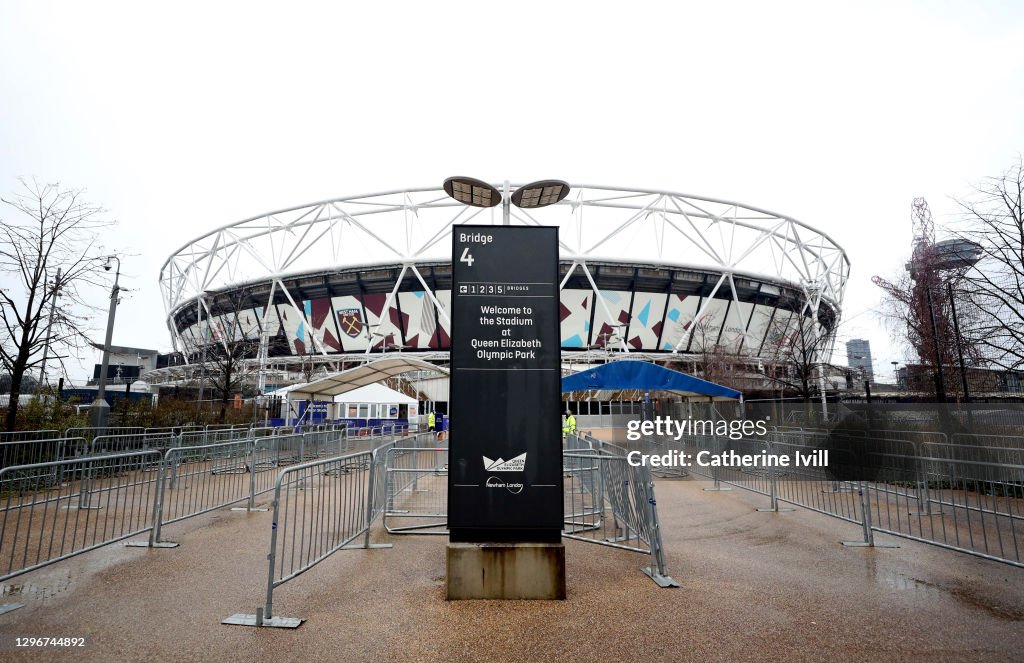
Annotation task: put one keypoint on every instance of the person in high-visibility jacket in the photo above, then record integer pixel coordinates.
(568, 424)
(431, 421)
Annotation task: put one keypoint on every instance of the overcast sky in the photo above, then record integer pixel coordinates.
(182, 117)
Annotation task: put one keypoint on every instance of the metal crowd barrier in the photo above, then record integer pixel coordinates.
(28, 435)
(311, 525)
(171, 430)
(29, 452)
(611, 502)
(195, 480)
(623, 515)
(103, 499)
(964, 497)
(416, 486)
(89, 432)
(583, 489)
(204, 478)
(378, 481)
(51, 510)
(104, 444)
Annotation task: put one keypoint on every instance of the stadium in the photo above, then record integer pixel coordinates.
(645, 274)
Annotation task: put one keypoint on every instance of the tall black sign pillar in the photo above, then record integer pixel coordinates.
(505, 455)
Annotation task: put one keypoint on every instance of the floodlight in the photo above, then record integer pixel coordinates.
(469, 191)
(540, 194)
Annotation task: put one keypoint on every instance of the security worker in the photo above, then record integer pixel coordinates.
(568, 424)
(431, 420)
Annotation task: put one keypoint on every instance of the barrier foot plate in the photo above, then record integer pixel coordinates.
(241, 619)
(777, 510)
(372, 545)
(715, 490)
(8, 607)
(662, 581)
(862, 544)
(255, 508)
(145, 544)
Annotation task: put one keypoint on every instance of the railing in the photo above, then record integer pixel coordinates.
(101, 500)
(28, 435)
(89, 432)
(203, 478)
(195, 480)
(85, 494)
(171, 430)
(320, 507)
(104, 444)
(65, 507)
(416, 487)
(30, 452)
(610, 502)
(915, 485)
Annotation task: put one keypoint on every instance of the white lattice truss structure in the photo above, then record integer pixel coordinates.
(646, 233)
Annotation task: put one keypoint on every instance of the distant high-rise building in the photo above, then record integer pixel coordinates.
(858, 355)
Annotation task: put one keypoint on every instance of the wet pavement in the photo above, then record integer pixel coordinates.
(754, 586)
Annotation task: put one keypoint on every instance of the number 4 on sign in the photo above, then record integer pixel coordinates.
(466, 257)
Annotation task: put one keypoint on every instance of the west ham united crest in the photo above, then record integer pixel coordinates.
(351, 321)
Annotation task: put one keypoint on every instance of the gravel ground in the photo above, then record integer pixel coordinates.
(755, 586)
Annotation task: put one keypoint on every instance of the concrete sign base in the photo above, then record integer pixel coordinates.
(505, 571)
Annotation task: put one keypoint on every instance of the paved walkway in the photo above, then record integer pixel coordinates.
(755, 586)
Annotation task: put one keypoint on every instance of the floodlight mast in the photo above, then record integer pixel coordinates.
(506, 207)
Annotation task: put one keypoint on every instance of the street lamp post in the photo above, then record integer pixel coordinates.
(99, 411)
(940, 381)
(959, 342)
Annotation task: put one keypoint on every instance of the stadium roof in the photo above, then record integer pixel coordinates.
(629, 374)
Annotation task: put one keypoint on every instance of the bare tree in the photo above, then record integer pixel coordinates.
(309, 365)
(994, 221)
(718, 363)
(796, 346)
(49, 231)
(231, 342)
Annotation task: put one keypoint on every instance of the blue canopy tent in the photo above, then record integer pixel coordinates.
(631, 374)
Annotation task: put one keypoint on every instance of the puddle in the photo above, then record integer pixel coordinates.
(902, 582)
(37, 590)
(964, 595)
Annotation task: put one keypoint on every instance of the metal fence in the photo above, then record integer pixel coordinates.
(29, 452)
(89, 432)
(607, 501)
(103, 444)
(963, 496)
(52, 511)
(194, 480)
(202, 478)
(416, 486)
(93, 493)
(320, 507)
(22, 435)
(610, 502)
